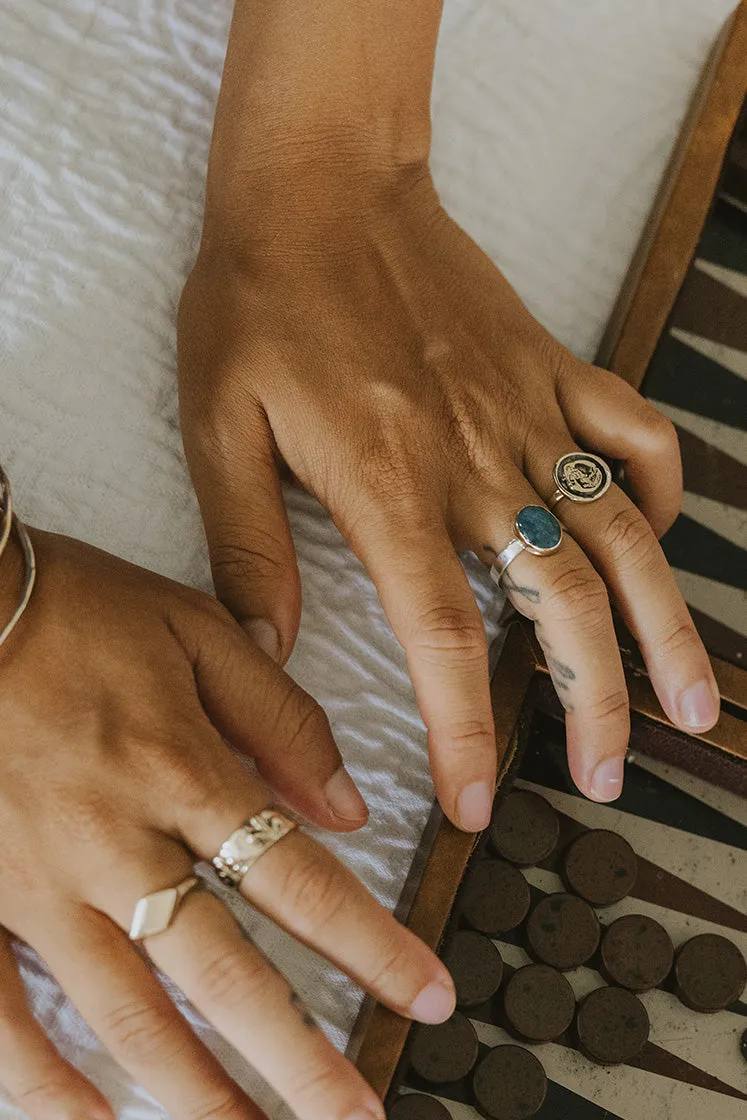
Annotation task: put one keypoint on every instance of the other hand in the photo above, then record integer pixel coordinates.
(117, 691)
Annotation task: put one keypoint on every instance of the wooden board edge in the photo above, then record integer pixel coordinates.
(385, 1032)
(673, 229)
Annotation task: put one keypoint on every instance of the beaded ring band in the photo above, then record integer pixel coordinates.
(9, 522)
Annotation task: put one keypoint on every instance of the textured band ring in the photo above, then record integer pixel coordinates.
(243, 847)
(580, 477)
(537, 531)
(155, 912)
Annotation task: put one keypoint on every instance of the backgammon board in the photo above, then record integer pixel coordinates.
(690, 838)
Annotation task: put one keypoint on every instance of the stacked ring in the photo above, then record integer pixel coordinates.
(537, 531)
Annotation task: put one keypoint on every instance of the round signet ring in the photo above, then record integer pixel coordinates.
(537, 531)
(580, 477)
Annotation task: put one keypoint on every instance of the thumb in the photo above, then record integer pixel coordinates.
(264, 714)
(252, 557)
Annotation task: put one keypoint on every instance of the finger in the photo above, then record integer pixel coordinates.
(257, 1011)
(41, 1082)
(608, 416)
(301, 886)
(263, 712)
(249, 539)
(121, 1000)
(627, 554)
(432, 611)
(568, 603)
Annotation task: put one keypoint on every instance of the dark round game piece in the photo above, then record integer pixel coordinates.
(524, 828)
(444, 1052)
(710, 973)
(637, 953)
(496, 897)
(612, 1026)
(416, 1106)
(563, 931)
(539, 1002)
(509, 1084)
(475, 966)
(600, 866)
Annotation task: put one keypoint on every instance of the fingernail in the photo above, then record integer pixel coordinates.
(343, 797)
(607, 779)
(474, 806)
(434, 1004)
(698, 706)
(264, 634)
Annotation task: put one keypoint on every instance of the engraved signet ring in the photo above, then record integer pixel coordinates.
(243, 847)
(580, 477)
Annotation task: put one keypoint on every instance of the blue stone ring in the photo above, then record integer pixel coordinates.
(537, 531)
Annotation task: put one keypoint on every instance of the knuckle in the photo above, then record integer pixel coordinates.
(230, 1106)
(300, 720)
(193, 786)
(238, 564)
(195, 794)
(394, 972)
(630, 539)
(232, 978)
(678, 638)
(314, 892)
(51, 1095)
(141, 1033)
(86, 817)
(577, 595)
(611, 705)
(658, 431)
(316, 1086)
(445, 628)
(470, 735)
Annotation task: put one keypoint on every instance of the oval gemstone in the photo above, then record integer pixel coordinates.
(539, 528)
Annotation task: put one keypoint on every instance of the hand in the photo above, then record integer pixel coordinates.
(341, 324)
(117, 689)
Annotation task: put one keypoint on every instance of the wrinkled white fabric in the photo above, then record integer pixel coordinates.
(553, 122)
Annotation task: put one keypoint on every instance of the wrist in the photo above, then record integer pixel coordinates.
(322, 103)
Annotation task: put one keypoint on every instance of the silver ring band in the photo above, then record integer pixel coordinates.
(504, 558)
(9, 522)
(244, 847)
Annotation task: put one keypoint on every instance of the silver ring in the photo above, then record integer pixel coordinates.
(243, 847)
(537, 531)
(580, 477)
(155, 912)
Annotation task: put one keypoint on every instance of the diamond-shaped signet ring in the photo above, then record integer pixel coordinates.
(155, 912)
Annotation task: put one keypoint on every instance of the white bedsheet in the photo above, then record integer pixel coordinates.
(553, 121)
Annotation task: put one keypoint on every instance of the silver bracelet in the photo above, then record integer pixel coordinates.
(6, 502)
(9, 522)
